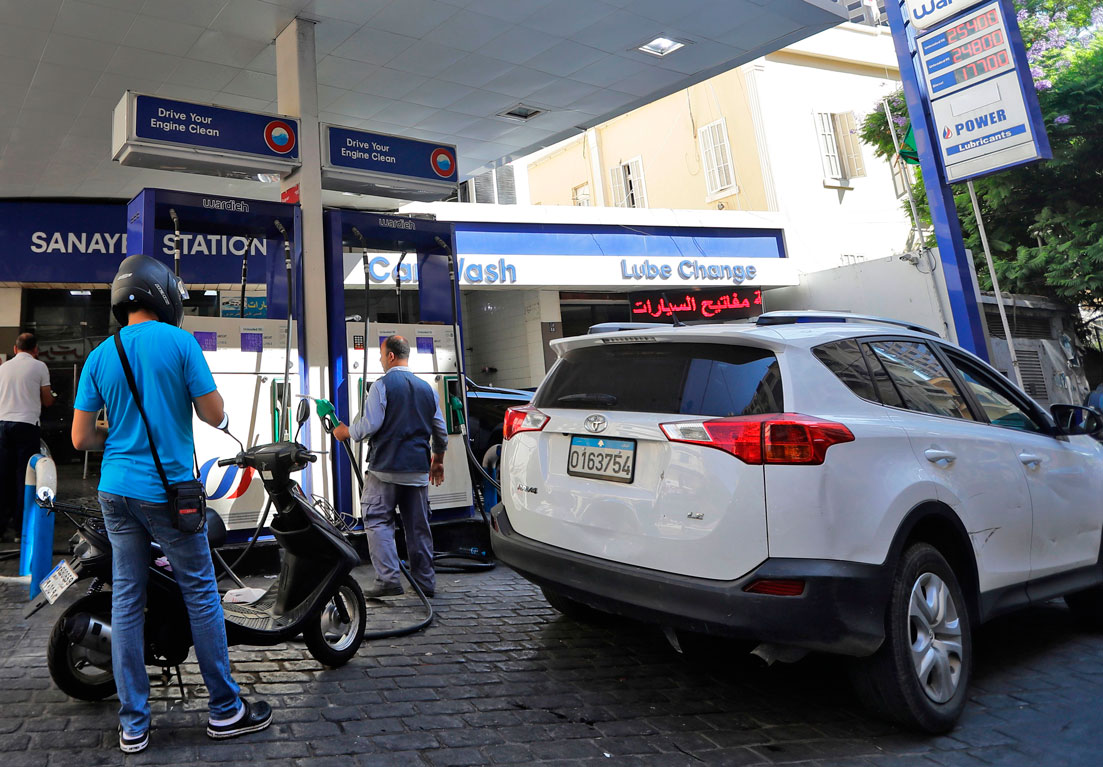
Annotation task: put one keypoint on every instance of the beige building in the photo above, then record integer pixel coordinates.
(779, 134)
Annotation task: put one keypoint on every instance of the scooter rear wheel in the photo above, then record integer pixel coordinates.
(331, 639)
(78, 672)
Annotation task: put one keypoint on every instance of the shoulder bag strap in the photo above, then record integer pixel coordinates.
(138, 401)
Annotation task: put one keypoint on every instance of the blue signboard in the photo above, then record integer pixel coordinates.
(231, 130)
(43, 242)
(394, 155)
(980, 93)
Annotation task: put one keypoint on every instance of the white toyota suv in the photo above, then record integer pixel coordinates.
(828, 483)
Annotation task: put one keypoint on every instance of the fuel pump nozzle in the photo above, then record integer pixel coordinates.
(285, 420)
(175, 240)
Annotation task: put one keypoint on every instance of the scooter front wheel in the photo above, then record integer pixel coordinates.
(334, 635)
(81, 672)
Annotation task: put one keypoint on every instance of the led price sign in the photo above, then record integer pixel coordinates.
(732, 304)
(972, 50)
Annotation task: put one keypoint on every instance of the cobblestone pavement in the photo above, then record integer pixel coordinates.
(500, 678)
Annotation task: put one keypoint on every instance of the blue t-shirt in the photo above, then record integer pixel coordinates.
(170, 372)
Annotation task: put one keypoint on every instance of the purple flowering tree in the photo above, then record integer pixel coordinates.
(1045, 219)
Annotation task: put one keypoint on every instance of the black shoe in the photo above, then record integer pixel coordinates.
(428, 591)
(256, 717)
(132, 745)
(377, 590)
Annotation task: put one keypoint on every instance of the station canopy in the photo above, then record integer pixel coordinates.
(442, 71)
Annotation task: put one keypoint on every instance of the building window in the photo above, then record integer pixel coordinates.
(719, 173)
(580, 196)
(628, 186)
(840, 147)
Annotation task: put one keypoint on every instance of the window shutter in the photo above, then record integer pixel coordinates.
(850, 148)
(829, 149)
(616, 180)
(505, 185)
(484, 188)
(635, 181)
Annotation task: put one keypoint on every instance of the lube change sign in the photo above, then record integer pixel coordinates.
(982, 99)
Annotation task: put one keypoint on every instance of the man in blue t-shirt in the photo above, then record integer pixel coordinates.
(172, 377)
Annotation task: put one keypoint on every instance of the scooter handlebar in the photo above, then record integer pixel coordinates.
(227, 462)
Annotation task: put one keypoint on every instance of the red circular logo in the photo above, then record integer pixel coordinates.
(443, 162)
(279, 136)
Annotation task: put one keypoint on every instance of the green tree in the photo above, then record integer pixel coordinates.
(1044, 220)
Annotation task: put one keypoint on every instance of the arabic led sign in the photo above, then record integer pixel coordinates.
(714, 305)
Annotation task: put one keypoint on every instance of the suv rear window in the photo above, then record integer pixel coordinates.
(686, 378)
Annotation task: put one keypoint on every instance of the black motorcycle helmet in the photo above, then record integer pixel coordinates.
(145, 282)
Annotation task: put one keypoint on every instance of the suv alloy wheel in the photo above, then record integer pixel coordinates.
(920, 675)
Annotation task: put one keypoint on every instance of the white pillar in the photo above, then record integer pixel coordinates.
(597, 168)
(297, 93)
(751, 75)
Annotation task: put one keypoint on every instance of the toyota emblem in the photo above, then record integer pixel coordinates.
(596, 423)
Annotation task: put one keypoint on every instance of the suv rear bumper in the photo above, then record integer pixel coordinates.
(841, 610)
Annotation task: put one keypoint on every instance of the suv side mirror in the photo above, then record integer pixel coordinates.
(1075, 420)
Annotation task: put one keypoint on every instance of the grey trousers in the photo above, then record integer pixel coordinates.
(378, 508)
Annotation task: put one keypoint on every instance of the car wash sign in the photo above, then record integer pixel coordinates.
(979, 88)
(386, 165)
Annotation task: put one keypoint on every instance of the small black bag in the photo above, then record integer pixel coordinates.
(187, 500)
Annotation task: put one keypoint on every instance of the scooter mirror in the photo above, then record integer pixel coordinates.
(302, 414)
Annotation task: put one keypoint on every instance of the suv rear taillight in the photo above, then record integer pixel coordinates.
(524, 418)
(756, 439)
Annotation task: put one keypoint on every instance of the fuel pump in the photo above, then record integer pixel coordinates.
(254, 361)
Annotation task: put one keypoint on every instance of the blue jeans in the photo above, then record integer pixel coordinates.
(130, 526)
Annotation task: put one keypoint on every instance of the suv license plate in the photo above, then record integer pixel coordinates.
(60, 578)
(602, 458)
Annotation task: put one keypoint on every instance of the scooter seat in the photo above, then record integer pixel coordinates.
(216, 529)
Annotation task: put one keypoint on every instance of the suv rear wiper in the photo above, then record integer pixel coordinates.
(596, 397)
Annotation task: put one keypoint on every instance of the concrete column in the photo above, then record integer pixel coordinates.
(597, 167)
(297, 93)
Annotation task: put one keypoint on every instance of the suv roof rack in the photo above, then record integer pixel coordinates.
(794, 317)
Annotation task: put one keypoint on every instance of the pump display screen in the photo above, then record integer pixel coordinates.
(974, 49)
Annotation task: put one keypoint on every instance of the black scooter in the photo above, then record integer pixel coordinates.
(315, 594)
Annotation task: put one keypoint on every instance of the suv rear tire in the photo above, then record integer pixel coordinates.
(1087, 607)
(920, 675)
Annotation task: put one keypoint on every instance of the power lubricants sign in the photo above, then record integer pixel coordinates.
(231, 130)
(982, 100)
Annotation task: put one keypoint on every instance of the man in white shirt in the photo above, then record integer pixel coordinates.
(24, 391)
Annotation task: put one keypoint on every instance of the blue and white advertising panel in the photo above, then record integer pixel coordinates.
(381, 153)
(71, 243)
(173, 135)
(387, 166)
(922, 14)
(181, 122)
(984, 108)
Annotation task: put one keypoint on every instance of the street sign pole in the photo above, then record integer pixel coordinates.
(1017, 374)
(956, 263)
